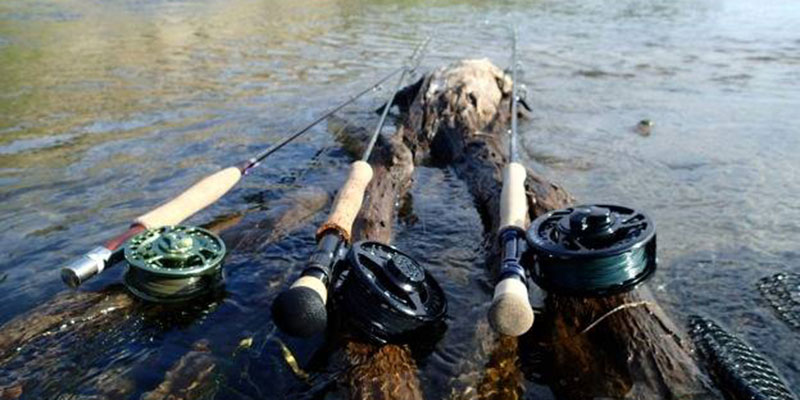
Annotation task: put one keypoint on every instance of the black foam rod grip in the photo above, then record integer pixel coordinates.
(300, 312)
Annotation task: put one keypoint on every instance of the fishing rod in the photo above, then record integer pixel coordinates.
(386, 293)
(197, 197)
(585, 251)
(511, 313)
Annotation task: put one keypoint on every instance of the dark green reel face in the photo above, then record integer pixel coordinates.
(173, 263)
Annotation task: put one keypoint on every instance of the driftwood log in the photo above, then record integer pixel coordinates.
(461, 120)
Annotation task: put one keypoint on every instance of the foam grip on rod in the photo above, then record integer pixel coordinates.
(513, 202)
(348, 201)
(511, 313)
(300, 310)
(199, 196)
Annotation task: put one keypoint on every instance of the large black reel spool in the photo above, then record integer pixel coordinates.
(173, 263)
(592, 250)
(388, 297)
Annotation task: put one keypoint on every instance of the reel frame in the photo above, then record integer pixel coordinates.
(387, 296)
(588, 235)
(173, 263)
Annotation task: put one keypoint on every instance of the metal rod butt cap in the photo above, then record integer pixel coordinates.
(84, 268)
(511, 313)
(300, 310)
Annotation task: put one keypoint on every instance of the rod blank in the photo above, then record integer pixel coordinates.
(511, 313)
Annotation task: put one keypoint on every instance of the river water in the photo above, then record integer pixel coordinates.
(109, 107)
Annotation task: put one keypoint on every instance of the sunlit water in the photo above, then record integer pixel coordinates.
(109, 107)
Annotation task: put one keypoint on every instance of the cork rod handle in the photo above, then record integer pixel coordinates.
(513, 203)
(348, 201)
(199, 196)
(511, 313)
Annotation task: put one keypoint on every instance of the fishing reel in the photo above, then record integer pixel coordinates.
(387, 296)
(383, 294)
(173, 263)
(592, 250)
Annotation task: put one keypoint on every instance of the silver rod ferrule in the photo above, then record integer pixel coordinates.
(84, 268)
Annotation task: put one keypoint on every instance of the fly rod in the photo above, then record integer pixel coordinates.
(199, 196)
(511, 313)
(300, 310)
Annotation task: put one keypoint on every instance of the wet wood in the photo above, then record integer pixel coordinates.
(460, 117)
(190, 378)
(35, 346)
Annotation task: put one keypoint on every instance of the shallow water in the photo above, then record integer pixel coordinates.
(107, 108)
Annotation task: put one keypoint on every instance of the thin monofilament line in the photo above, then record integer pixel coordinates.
(597, 274)
(413, 63)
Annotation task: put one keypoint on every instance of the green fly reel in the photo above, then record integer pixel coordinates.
(173, 263)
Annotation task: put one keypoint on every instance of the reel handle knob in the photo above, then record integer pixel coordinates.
(300, 310)
(510, 313)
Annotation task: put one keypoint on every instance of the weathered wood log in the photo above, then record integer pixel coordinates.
(636, 352)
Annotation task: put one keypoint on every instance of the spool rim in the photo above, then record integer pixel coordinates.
(552, 262)
(540, 243)
(397, 320)
(206, 238)
(179, 277)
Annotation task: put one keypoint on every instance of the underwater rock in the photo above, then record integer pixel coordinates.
(645, 127)
(287, 214)
(740, 371)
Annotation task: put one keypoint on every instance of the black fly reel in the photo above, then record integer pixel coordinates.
(173, 263)
(388, 297)
(592, 250)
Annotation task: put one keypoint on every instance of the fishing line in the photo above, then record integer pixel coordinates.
(596, 274)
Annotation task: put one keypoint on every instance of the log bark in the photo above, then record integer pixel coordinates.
(461, 120)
